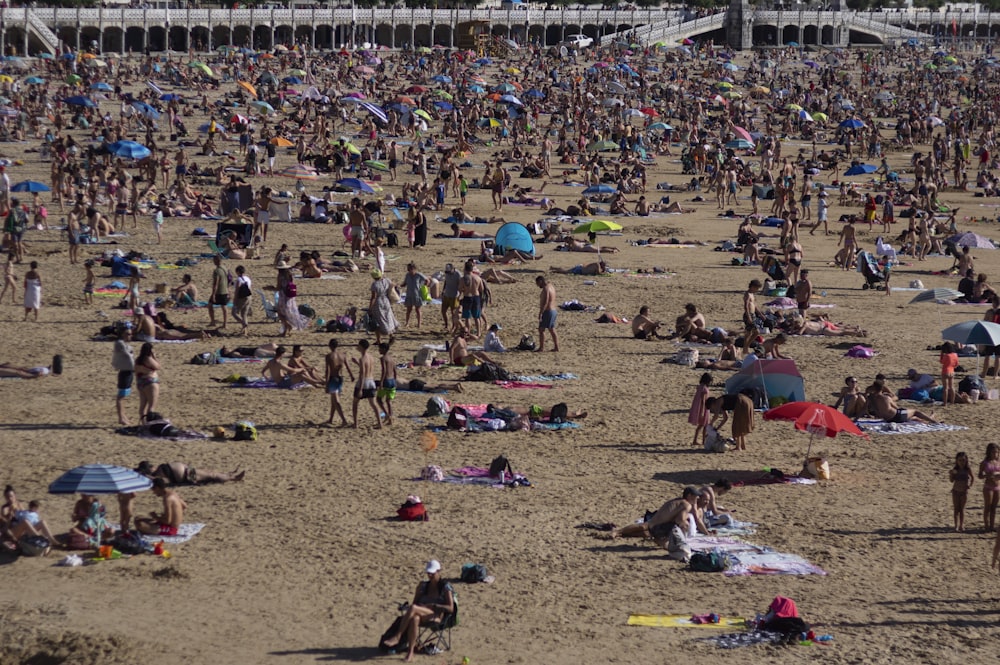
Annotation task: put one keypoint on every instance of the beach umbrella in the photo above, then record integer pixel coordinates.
(511, 99)
(804, 116)
(650, 111)
(246, 86)
(152, 86)
(207, 126)
(146, 110)
(504, 88)
(597, 226)
(793, 107)
(820, 117)
(861, 169)
(403, 99)
(376, 165)
(760, 90)
(375, 111)
(444, 106)
(238, 119)
(441, 78)
(351, 148)
(281, 142)
(616, 87)
(936, 295)
(100, 479)
(100, 85)
(291, 80)
(30, 186)
(489, 122)
(795, 44)
(203, 68)
(300, 172)
(46, 56)
(660, 126)
(416, 90)
(535, 93)
(885, 96)
(811, 64)
(355, 184)
(778, 378)
(742, 133)
(613, 101)
(444, 95)
(484, 61)
(602, 146)
(739, 144)
(398, 108)
(263, 107)
(478, 89)
(731, 67)
(73, 79)
(171, 97)
(970, 239)
(817, 419)
(37, 80)
(851, 123)
(5, 78)
(364, 69)
(420, 113)
(973, 332)
(296, 72)
(599, 189)
(96, 63)
(129, 150)
(79, 100)
(724, 85)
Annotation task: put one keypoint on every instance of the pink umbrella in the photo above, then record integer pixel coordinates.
(356, 95)
(742, 133)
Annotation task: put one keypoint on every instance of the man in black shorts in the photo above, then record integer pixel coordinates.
(123, 360)
(220, 291)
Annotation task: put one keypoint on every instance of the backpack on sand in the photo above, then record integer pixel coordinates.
(500, 468)
(709, 562)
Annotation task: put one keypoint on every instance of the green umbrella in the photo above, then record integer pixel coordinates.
(73, 79)
(376, 165)
(423, 114)
(597, 226)
(423, 49)
(602, 146)
(444, 95)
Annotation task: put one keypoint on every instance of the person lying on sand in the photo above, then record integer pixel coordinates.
(179, 473)
(589, 269)
(148, 330)
(262, 351)
(509, 256)
(574, 245)
(456, 232)
(8, 371)
(822, 327)
(496, 276)
(536, 412)
(885, 407)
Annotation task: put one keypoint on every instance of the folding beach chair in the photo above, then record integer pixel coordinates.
(435, 637)
(270, 306)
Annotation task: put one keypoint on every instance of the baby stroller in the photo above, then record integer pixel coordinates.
(687, 162)
(876, 275)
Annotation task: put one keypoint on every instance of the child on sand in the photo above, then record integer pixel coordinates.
(949, 361)
(698, 416)
(961, 481)
(989, 470)
(88, 282)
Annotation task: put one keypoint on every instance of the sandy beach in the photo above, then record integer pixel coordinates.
(303, 562)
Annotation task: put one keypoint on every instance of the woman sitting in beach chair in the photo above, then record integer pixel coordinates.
(433, 606)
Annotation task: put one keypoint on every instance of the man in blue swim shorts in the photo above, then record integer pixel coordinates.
(546, 313)
(336, 363)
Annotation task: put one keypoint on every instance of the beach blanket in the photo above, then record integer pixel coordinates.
(330, 275)
(737, 640)
(683, 621)
(474, 475)
(882, 427)
(534, 378)
(184, 533)
(228, 361)
(143, 432)
(511, 385)
(750, 559)
(772, 480)
(265, 383)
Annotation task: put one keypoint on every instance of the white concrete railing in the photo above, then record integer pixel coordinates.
(862, 22)
(670, 31)
(46, 36)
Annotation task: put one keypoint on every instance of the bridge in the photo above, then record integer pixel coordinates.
(31, 31)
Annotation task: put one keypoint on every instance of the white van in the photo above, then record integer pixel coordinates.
(514, 5)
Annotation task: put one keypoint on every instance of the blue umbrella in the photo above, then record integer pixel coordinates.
(973, 332)
(444, 106)
(791, 43)
(477, 89)
(398, 108)
(511, 99)
(599, 189)
(100, 479)
(79, 100)
(441, 78)
(536, 93)
(102, 86)
(129, 150)
(852, 123)
(68, 56)
(30, 186)
(146, 110)
(861, 169)
(35, 80)
(484, 61)
(739, 144)
(355, 184)
(170, 97)
(294, 80)
(660, 125)
(504, 88)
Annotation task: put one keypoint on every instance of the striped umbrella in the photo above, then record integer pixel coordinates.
(300, 172)
(154, 87)
(100, 479)
(376, 112)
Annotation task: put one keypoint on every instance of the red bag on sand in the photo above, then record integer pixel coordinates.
(414, 512)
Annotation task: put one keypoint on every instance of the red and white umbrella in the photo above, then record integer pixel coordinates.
(817, 419)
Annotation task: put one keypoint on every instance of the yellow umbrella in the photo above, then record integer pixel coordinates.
(6, 79)
(512, 70)
(296, 72)
(281, 142)
(820, 117)
(793, 107)
(760, 90)
(725, 85)
(88, 56)
(351, 148)
(732, 94)
(249, 88)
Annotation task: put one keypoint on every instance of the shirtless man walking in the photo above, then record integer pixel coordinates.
(365, 388)
(169, 522)
(336, 363)
(669, 525)
(546, 313)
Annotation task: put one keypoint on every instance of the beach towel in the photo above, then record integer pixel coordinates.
(773, 480)
(511, 385)
(143, 432)
(265, 383)
(228, 361)
(771, 563)
(184, 533)
(737, 640)
(474, 475)
(882, 427)
(564, 376)
(683, 621)
(330, 275)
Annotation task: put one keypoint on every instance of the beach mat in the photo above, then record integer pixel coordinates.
(683, 621)
(882, 427)
(184, 533)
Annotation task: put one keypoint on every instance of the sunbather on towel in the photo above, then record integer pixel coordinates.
(179, 473)
(285, 376)
(669, 524)
(262, 351)
(596, 268)
(885, 407)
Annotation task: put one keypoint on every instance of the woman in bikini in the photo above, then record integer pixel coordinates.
(147, 380)
(989, 471)
(433, 601)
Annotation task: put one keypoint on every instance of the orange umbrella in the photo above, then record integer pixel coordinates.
(495, 96)
(416, 89)
(517, 86)
(281, 142)
(266, 56)
(249, 88)
(403, 99)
